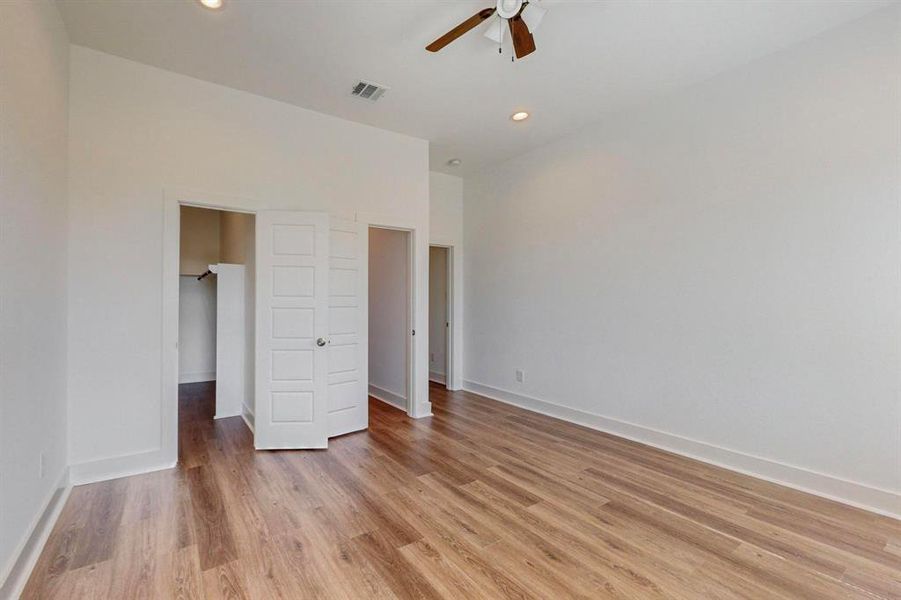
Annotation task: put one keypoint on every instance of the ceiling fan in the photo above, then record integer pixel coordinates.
(521, 16)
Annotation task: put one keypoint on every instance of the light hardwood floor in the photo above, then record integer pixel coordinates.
(482, 500)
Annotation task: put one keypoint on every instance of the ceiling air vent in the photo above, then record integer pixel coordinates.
(368, 91)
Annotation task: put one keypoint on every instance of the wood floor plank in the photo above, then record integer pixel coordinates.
(98, 535)
(400, 575)
(225, 581)
(481, 500)
(211, 522)
(448, 579)
(465, 555)
(803, 551)
(578, 559)
(183, 580)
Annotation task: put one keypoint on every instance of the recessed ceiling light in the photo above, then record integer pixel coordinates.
(454, 162)
(213, 4)
(520, 116)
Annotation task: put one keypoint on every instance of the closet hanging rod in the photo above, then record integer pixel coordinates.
(212, 270)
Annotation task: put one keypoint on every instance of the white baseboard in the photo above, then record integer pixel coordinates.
(248, 417)
(196, 377)
(237, 414)
(119, 466)
(388, 397)
(885, 502)
(16, 573)
(437, 377)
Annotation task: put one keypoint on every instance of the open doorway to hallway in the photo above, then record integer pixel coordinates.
(439, 314)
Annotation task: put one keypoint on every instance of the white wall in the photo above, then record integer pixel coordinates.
(196, 329)
(199, 247)
(231, 340)
(446, 221)
(437, 313)
(388, 306)
(234, 241)
(721, 266)
(137, 134)
(199, 239)
(33, 124)
(445, 208)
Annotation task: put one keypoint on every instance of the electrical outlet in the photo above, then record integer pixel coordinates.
(520, 375)
(41, 465)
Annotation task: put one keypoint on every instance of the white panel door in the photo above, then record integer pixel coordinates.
(292, 250)
(348, 329)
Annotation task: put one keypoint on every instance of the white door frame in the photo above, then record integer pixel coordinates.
(418, 404)
(454, 377)
(173, 200)
(448, 309)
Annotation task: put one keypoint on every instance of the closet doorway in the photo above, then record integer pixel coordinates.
(216, 317)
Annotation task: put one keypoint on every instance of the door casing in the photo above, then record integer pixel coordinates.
(173, 198)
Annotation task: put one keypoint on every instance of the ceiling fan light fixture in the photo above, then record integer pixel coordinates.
(508, 9)
(212, 4)
(520, 116)
(532, 14)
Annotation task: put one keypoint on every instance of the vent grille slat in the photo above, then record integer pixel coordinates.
(368, 90)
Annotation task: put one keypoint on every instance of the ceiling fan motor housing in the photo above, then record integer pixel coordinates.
(507, 9)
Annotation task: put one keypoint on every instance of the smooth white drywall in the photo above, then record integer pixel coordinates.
(231, 340)
(446, 222)
(445, 208)
(437, 313)
(199, 247)
(233, 246)
(33, 127)
(196, 328)
(136, 133)
(721, 265)
(388, 306)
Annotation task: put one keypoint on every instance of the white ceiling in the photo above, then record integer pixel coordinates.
(593, 58)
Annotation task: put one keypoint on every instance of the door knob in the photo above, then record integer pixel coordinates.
(321, 342)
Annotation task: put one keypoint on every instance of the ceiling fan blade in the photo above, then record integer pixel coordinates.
(460, 29)
(523, 42)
